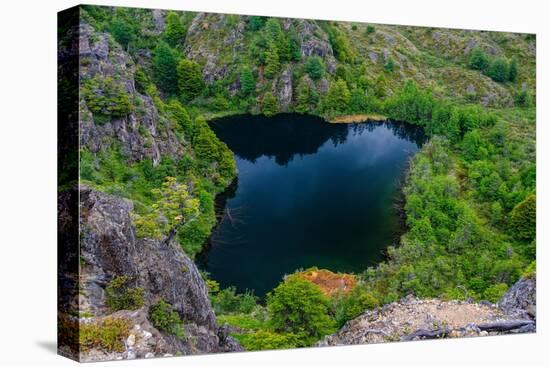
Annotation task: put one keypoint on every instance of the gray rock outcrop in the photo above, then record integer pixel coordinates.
(413, 319)
(109, 248)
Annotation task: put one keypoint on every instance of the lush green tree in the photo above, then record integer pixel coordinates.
(123, 32)
(164, 68)
(411, 104)
(339, 42)
(173, 208)
(256, 23)
(306, 96)
(445, 121)
(294, 47)
(513, 70)
(389, 65)
(248, 82)
(205, 142)
(272, 64)
(106, 97)
(315, 67)
(370, 29)
(473, 146)
(273, 29)
(499, 70)
(491, 187)
(175, 31)
(270, 105)
(180, 116)
(380, 86)
(298, 306)
(338, 97)
(478, 59)
(359, 101)
(524, 219)
(190, 81)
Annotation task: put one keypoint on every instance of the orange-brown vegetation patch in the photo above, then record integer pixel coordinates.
(329, 282)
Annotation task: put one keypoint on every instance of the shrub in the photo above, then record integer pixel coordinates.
(256, 23)
(175, 31)
(181, 117)
(478, 59)
(123, 32)
(164, 318)
(370, 29)
(411, 104)
(315, 67)
(270, 106)
(248, 83)
(298, 306)
(498, 70)
(337, 98)
(524, 99)
(351, 305)
(164, 68)
(190, 81)
(172, 209)
(513, 70)
(389, 65)
(272, 64)
(306, 97)
(495, 292)
(108, 334)
(524, 219)
(228, 301)
(120, 296)
(105, 97)
(266, 340)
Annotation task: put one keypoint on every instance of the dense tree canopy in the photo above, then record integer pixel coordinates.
(164, 68)
(315, 67)
(270, 106)
(175, 31)
(299, 307)
(190, 81)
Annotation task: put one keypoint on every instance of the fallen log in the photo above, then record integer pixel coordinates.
(505, 325)
(427, 334)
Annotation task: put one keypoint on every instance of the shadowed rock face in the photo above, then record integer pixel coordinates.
(521, 299)
(110, 248)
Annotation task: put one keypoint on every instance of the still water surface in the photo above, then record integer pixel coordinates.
(308, 193)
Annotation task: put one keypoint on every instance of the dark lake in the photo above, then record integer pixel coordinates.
(308, 193)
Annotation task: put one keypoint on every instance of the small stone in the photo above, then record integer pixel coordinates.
(483, 333)
(130, 354)
(146, 334)
(149, 355)
(168, 355)
(131, 340)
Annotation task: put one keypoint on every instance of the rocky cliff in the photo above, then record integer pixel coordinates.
(109, 249)
(415, 319)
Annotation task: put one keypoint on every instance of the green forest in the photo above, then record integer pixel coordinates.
(469, 194)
